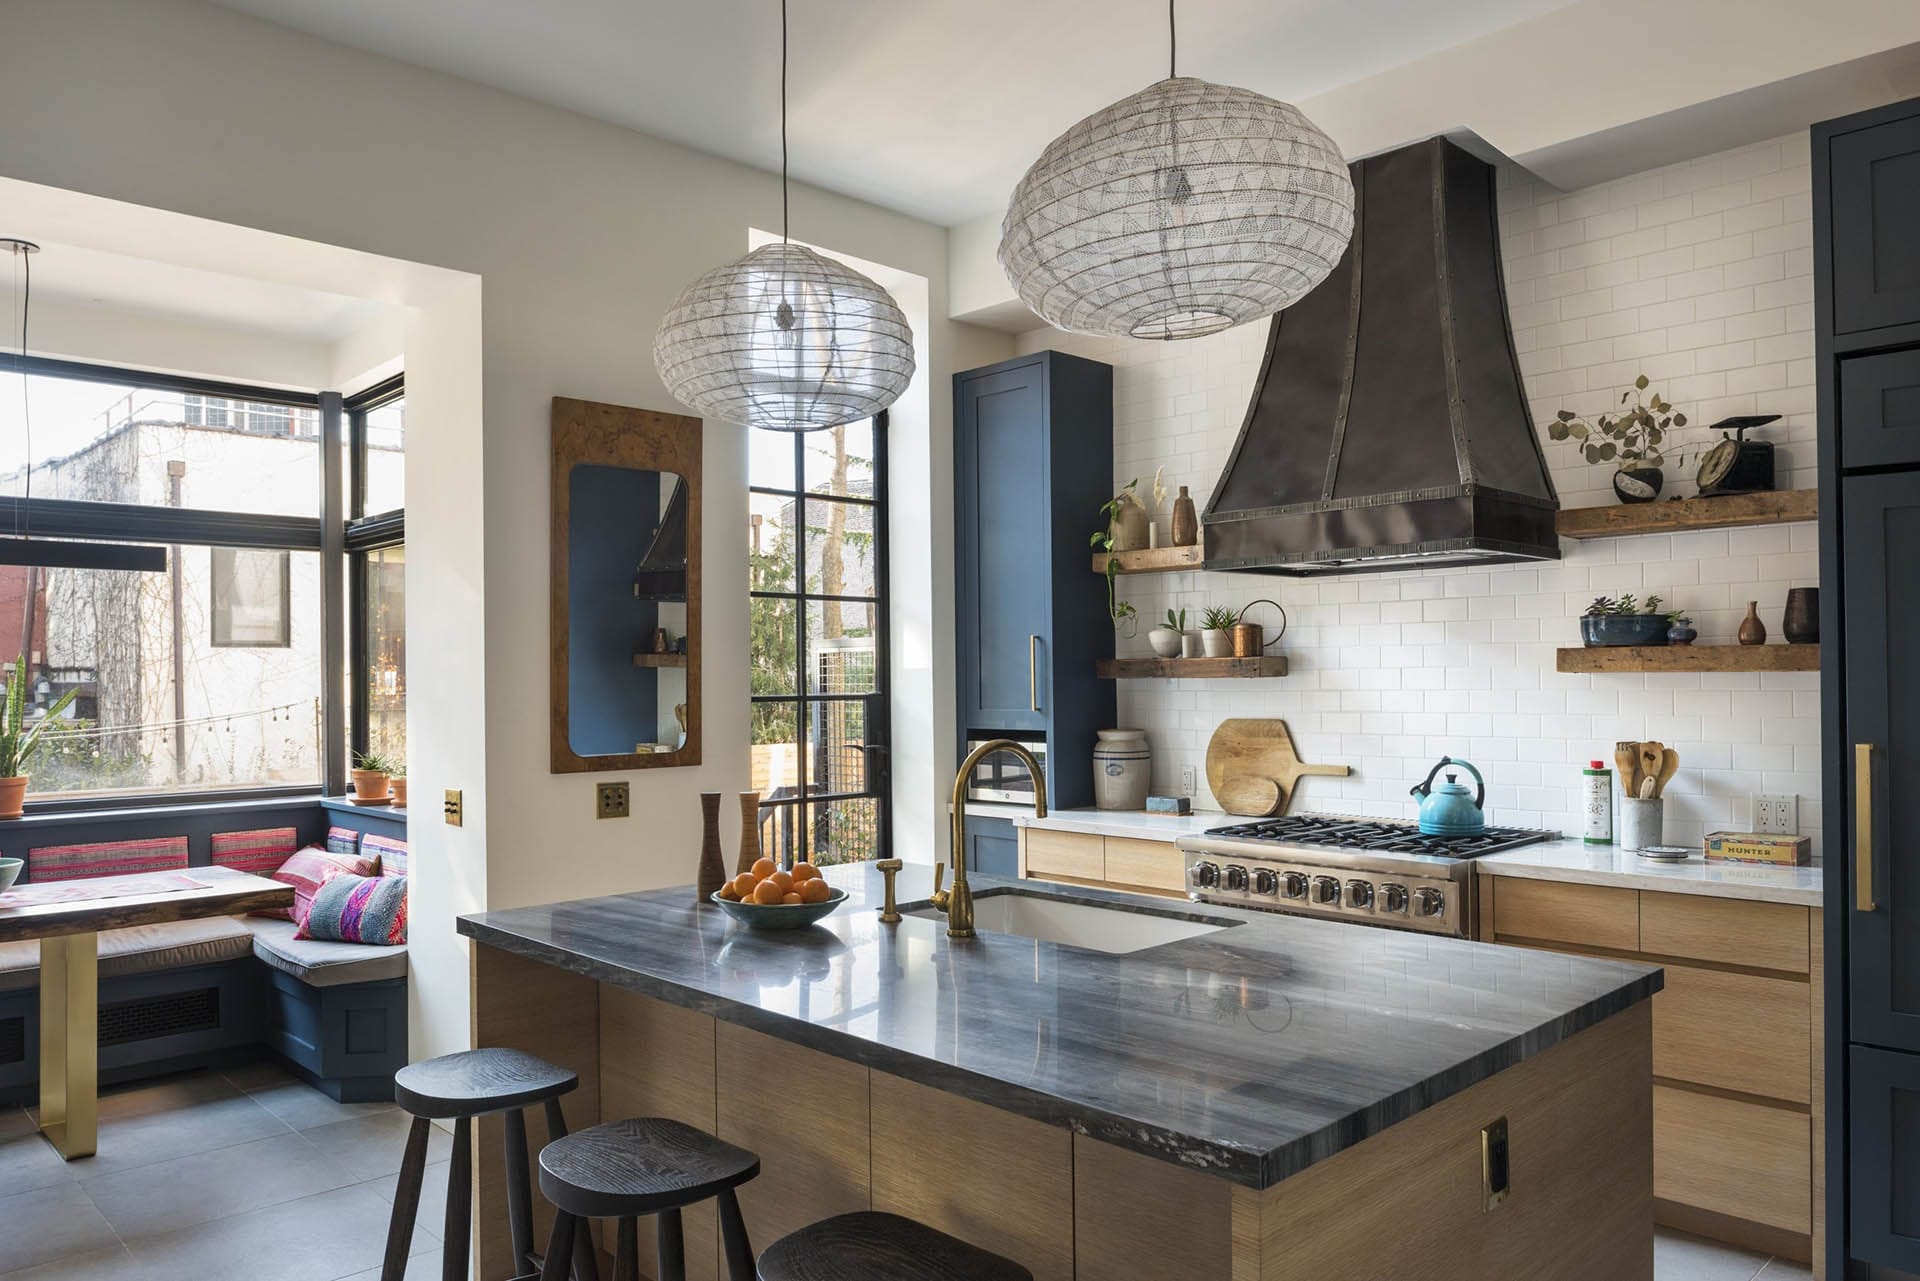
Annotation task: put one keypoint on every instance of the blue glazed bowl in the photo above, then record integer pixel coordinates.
(1624, 629)
(778, 916)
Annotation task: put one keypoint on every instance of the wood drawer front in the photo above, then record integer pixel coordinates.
(1559, 912)
(1064, 854)
(1150, 865)
(1746, 1160)
(1738, 1032)
(1767, 936)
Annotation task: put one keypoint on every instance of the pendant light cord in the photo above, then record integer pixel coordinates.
(1173, 40)
(783, 121)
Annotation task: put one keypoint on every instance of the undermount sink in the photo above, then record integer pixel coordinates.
(1088, 925)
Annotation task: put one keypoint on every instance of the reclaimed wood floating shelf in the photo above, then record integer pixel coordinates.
(1775, 508)
(1120, 669)
(659, 660)
(1151, 560)
(1690, 658)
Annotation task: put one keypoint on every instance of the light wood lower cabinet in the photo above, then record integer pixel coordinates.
(1736, 1045)
(1138, 866)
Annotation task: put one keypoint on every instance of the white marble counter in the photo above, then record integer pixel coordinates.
(1584, 864)
(1133, 824)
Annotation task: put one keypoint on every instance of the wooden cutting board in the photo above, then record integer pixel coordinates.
(1253, 769)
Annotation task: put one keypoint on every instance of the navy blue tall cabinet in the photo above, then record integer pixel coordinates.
(1866, 172)
(1033, 462)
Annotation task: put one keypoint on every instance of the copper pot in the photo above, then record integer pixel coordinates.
(1249, 639)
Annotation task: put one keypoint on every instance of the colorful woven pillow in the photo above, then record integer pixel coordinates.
(307, 870)
(108, 858)
(358, 909)
(260, 852)
(390, 850)
(343, 840)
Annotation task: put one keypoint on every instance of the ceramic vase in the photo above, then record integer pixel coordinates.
(1130, 529)
(1682, 632)
(713, 868)
(1186, 521)
(1217, 642)
(1752, 630)
(749, 832)
(1638, 484)
(1153, 534)
(1801, 623)
(1165, 642)
(1122, 769)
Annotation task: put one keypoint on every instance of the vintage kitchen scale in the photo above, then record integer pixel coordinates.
(1737, 465)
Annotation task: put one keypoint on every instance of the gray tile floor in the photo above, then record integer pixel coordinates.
(253, 1173)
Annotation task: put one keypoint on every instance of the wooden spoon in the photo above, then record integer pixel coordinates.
(1651, 755)
(1626, 759)
(1669, 766)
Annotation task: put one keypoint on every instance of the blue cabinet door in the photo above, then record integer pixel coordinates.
(992, 848)
(1003, 525)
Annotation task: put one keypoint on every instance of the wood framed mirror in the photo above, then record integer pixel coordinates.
(624, 681)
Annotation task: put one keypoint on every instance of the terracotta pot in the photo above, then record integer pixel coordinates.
(1752, 630)
(400, 791)
(372, 784)
(13, 796)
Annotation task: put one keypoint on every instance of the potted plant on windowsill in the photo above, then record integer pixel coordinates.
(18, 742)
(372, 778)
(399, 787)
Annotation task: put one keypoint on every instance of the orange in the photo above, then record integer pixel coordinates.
(742, 885)
(815, 891)
(763, 869)
(805, 871)
(783, 879)
(729, 893)
(791, 897)
(767, 892)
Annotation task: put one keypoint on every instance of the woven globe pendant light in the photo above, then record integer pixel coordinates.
(785, 338)
(1183, 210)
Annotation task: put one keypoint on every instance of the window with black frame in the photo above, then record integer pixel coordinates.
(376, 425)
(817, 553)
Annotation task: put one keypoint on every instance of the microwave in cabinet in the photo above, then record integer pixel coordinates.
(1002, 776)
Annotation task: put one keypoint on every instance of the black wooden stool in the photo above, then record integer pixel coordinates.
(870, 1246)
(646, 1165)
(460, 1087)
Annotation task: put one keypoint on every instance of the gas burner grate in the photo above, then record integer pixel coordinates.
(1383, 835)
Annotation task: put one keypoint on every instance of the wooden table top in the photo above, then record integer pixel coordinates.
(142, 898)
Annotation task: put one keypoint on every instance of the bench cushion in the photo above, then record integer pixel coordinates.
(139, 949)
(261, 851)
(321, 964)
(107, 858)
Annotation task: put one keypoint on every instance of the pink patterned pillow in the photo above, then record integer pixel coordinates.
(107, 858)
(355, 909)
(260, 852)
(309, 869)
(391, 852)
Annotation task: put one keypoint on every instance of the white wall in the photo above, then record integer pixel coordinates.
(70, 329)
(1700, 275)
(582, 233)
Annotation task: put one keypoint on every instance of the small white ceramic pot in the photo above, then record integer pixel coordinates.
(1165, 642)
(1218, 643)
(1190, 646)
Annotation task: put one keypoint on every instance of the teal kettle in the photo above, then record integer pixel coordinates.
(1449, 809)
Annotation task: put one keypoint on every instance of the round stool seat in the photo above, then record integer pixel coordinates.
(478, 1082)
(639, 1166)
(870, 1246)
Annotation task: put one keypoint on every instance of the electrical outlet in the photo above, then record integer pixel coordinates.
(455, 807)
(610, 800)
(1189, 785)
(1776, 812)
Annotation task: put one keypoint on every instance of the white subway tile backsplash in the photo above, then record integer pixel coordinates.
(1697, 274)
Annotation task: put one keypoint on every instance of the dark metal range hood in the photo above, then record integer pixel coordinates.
(662, 571)
(1389, 428)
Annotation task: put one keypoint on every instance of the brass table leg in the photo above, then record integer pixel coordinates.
(70, 1043)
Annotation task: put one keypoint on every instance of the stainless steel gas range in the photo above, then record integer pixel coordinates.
(1367, 871)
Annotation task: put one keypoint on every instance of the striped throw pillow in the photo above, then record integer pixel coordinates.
(107, 858)
(358, 909)
(343, 840)
(261, 851)
(307, 870)
(390, 850)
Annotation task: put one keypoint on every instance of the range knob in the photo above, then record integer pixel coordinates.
(1236, 877)
(1293, 885)
(1429, 903)
(1359, 893)
(1266, 881)
(1393, 898)
(1326, 889)
(1206, 875)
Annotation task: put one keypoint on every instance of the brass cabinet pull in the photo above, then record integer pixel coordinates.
(1033, 673)
(1863, 828)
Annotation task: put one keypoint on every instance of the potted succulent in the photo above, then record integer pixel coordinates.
(1625, 621)
(18, 742)
(1216, 631)
(372, 777)
(1165, 638)
(1632, 439)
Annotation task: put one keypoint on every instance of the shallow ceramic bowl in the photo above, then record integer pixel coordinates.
(10, 872)
(778, 916)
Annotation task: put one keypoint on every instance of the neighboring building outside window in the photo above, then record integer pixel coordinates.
(252, 597)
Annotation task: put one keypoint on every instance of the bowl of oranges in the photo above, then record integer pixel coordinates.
(768, 897)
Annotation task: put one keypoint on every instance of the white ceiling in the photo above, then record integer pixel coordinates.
(931, 107)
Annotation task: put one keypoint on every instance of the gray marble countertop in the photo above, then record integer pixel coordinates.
(1248, 1053)
(1578, 862)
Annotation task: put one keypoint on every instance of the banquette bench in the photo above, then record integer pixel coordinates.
(198, 993)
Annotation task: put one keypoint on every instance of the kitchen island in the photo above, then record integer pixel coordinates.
(1266, 1097)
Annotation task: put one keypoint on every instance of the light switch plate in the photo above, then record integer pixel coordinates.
(610, 800)
(1189, 785)
(1777, 812)
(454, 807)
